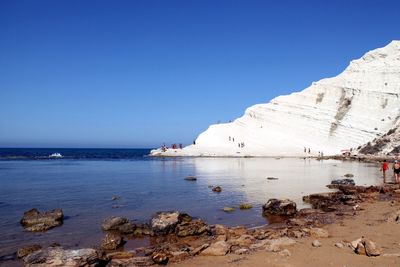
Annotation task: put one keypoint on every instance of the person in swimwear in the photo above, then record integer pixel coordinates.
(396, 170)
(384, 168)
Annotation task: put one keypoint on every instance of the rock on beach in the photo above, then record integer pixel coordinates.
(284, 207)
(57, 257)
(35, 221)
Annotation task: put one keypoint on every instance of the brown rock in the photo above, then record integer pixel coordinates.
(194, 227)
(199, 249)
(35, 221)
(111, 241)
(220, 229)
(55, 257)
(121, 255)
(164, 223)
(284, 207)
(135, 261)
(370, 248)
(119, 224)
(24, 251)
(360, 249)
(160, 258)
(219, 248)
(316, 243)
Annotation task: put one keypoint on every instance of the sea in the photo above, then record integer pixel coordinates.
(83, 182)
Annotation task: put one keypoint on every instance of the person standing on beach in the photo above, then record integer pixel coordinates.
(384, 168)
(396, 170)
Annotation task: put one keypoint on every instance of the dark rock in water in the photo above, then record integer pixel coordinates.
(245, 206)
(190, 178)
(348, 175)
(228, 209)
(165, 222)
(120, 224)
(272, 178)
(194, 227)
(111, 241)
(34, 221)
(344, 181)
(52, 257)
(217, 189)
(24, 251)
(284, 207)
(160, 258)
(143, 229)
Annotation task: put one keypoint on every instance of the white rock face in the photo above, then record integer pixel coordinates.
(333, 114)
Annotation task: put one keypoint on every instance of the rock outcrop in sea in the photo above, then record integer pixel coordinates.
(358, 109)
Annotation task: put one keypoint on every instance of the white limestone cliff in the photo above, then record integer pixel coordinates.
(333, 114)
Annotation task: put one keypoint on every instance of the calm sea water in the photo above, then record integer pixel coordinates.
(84, 181)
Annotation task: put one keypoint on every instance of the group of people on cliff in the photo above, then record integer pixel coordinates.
(173, 146)
(240, 145)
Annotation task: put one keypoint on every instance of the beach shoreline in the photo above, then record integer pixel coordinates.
(333, 212)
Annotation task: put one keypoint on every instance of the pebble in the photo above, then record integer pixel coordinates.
(339, 245)
(316, 243)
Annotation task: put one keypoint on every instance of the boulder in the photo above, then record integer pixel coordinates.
(216, 189)
(371, 248)
(165, 222)
(57, 257)
(344, 182)
(219, 248)
(119, 224)
(24, 251)
(348, 175)
(275, 206)
(35, 221)
(111, 241)
(191, 228)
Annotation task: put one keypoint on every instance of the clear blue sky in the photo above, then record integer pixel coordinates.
(140, 73)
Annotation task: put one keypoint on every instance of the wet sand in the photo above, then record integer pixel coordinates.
(371, 223)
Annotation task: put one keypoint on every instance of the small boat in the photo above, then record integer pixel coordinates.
(55, 155)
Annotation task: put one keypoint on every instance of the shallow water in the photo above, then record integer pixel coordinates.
(84, 188)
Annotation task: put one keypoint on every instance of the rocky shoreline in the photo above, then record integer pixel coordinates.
(176, 236)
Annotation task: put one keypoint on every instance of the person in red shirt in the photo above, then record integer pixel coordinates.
(384, 168)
